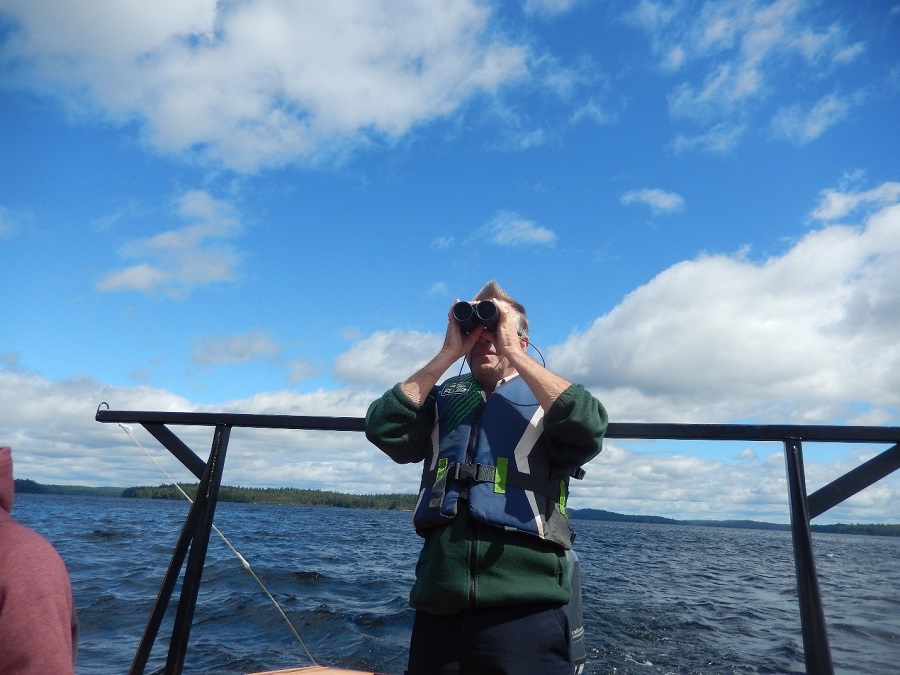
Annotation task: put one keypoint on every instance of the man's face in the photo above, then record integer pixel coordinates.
(485, 363)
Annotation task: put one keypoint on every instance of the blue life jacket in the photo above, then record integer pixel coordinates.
(483, 449)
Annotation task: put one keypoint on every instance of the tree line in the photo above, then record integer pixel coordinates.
(400, 502)
(285, 495)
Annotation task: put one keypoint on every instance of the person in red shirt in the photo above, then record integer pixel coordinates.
(38, 623)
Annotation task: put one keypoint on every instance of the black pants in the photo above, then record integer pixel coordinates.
(516, 640)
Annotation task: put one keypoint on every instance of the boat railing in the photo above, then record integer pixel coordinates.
(194, 539)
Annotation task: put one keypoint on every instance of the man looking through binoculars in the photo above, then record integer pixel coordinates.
(498, 446)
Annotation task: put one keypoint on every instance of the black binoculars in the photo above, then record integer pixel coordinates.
(469, 315)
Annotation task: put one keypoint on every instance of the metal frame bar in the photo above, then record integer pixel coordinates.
(816, 650)
(192, 543)
(194, 537)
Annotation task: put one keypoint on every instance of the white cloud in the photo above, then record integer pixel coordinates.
(510, 229)
(266, 82)
(252, 346)
(807, 336)
(684, 487)
(804, 126)
(549, 7)
(739, 49)
(385, 358)
(50, 426)
(177, 261)
(301, 369)
(658, 200)
(595, 112)
(442, 242)
(719, 139)
(654, 17)
(836, 204)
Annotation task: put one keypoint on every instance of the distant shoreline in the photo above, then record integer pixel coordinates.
(406, 502)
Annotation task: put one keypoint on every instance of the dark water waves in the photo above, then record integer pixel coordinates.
(658, 599)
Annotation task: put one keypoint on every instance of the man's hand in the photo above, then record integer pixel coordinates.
(545, 384)
(506, 339)
(456, 345)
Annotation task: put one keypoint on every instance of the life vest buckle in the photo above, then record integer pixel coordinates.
(465, 472)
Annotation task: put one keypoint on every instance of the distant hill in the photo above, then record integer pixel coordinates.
(297, 496)
(839, 528)
(610, 516)
(25, 486)
(405, 502)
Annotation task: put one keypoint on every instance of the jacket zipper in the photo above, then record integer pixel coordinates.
(473, 540)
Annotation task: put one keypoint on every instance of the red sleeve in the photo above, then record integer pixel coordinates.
(36, 608)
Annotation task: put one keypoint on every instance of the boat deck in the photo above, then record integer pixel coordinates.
(316, 670)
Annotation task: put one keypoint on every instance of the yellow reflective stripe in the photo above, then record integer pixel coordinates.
(562, 496)
(500, 475)
(443, 463)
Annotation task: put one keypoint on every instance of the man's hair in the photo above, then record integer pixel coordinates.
(492, 290)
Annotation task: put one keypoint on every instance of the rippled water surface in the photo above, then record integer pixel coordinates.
(657, 599)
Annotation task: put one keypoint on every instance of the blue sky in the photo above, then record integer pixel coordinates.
(268, 206)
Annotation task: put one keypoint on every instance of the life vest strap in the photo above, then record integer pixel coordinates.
(485, 473)
(458, 471)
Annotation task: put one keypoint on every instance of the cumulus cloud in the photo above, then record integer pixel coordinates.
(386, 357)
(686, 487)
(51, 427)
(177, 261)
(254, 346)
(266, 82)
(658, 200)
(808, 336)
(55, 439)
(510, 229)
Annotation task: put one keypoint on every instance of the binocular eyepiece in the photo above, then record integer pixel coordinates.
(470, 315)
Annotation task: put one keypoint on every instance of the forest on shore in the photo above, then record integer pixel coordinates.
(295, 496)
(405, 502)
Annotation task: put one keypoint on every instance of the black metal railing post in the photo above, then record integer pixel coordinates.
(145, 647)
(206, 500)
(803, 508)
(816, 650)
(193, 543)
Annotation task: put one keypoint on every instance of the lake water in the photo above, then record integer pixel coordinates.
(658, 599)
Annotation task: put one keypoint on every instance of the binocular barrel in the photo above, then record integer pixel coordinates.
(469, 315)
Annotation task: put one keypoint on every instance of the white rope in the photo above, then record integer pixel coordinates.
(243, 560)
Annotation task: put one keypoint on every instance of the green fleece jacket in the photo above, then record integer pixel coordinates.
(465, 563)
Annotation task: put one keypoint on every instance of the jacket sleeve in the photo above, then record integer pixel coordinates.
(575, 425)
(37, 632)
(400, 428)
